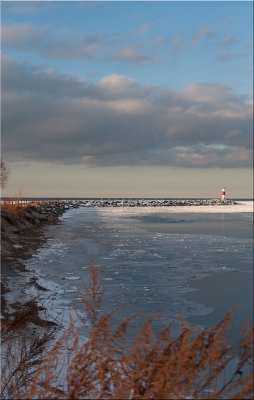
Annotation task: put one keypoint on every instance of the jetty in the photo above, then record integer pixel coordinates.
(60, 206)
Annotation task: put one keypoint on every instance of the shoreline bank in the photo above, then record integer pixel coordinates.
(21, 235)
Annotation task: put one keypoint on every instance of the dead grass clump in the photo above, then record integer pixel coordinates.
(193, 364)
(21, 352)
(13, 206)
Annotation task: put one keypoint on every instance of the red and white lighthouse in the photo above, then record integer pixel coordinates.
(223, 194)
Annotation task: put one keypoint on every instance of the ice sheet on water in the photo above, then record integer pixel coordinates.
(72, 278)
(49, 285)
(54, 248)
(242, 207)
(71, 290)
(140, 269)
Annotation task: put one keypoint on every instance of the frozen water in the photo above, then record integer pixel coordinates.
(72, 278)
(144, 268)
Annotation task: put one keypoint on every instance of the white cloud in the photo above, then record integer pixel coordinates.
(23, 35)
(227, 56)
(131, 54)
(182, 41)
(62, 44)
(202, 32)
(117, 121)
(65, 44)
(116, 81)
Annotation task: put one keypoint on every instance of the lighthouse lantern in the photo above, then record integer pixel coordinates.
(223, 194)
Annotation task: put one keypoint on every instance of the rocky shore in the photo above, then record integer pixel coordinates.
(66, 204)
(153, 202)
(21, 234)
(19, 221)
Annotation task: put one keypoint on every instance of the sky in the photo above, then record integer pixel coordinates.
(127, 99)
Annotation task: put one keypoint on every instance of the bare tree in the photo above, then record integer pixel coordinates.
(4, 174)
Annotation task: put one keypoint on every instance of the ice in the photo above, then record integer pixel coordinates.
(241, 207)
(141, 270)
(17, 246)
(71, 290)
(72, 278)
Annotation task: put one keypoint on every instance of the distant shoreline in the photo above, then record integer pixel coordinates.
(119, 198)
(182, 205)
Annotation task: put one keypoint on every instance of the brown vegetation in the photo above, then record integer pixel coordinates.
(22, 349)
(192, 364)
(13, 206)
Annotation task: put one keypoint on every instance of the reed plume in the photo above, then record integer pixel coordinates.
(192, 364)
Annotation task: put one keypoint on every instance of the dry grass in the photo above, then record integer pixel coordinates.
(13, 206)
(193, 364)
(21, 352)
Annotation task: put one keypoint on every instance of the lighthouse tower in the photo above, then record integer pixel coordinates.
(223, 194)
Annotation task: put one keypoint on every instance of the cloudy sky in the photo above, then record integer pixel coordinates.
(142, 99)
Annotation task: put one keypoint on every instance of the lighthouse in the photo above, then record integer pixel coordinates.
(223, 194)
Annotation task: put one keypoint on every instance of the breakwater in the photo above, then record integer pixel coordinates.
(153, 203)
(62, 205)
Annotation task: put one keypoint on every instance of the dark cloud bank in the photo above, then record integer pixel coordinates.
(51, 117)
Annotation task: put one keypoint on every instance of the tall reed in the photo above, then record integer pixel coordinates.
(194, 364)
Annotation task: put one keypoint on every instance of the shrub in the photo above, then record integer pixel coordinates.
(194, 364)
(21, 352)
